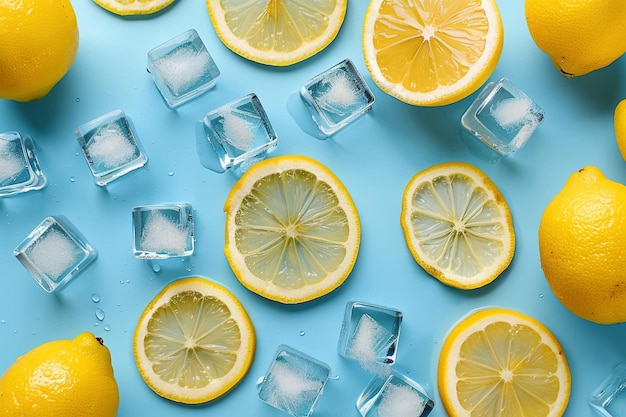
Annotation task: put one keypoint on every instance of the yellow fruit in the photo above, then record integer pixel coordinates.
(277, 32)
(434, 52)
(194, 342)
(292, 230)
(582, 242)
(38, 44)
(619, 121)
(579, 36)
(457, 225)
(133, 7)
(497, 362)
(61, 378)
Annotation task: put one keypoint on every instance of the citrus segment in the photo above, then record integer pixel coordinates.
(292, 230)
(133, 7)
(194, 341)
(277, 32)
(497, 362)
(431, 53)
(457, 225)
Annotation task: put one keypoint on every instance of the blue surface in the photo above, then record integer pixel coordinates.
(375, 159)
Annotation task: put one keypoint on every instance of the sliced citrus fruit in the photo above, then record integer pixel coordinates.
(133, 7)
(292, 230)
(457, 225)
(431, 53)
(277, 32)
(497, 362)
(194, 341)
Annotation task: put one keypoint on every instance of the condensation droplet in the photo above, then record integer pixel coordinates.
(78, 99)
(100, 314)
(107, 328)
(170, 173)
(95, 297)
(156, 267)
(540, 295)
(302, 333)
(72, 179)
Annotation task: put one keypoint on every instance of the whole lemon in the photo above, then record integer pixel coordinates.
(582, 246)
(38, 44)
(580, 36)
(61, 378)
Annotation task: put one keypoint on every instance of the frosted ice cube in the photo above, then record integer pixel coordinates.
(182, 68)
(235, 136)
(337, 97)
(110, 146)
(19, 166)
(502, 117)
(163, 231)
(54, 253)
(294, 382)
(370, 334)
(395, 395)
(609, 398)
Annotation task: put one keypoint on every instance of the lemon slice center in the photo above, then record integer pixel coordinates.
(192, 340)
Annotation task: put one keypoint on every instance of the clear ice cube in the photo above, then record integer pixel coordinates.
(237, 134)
(609, 398)
(19, 167)
(182, 68)
(294, 382)
(337, 97)
(54, 253)
(163, 231)
(110, 146)
(370, 334)
(394, 396)
(502, 117)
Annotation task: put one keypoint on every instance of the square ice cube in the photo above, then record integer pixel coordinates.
(337, 97)
(182, 68)
(19, 166)
(110, 146)
(502, 117)
(370, 334)
(54, 253)
(294, 382)
(609, 399)
(163, 231)
(395, 395)
(238, 134)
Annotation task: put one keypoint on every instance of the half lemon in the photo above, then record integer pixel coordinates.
(194, 341)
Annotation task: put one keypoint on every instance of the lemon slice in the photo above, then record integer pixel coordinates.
(619, 121)
(498, 362)
(292, 230)
(133, 7)
(434, 52)
(277, 32)
(457, 225)
(194, 341)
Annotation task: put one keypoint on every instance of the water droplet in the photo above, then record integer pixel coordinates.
(336, 377)
(302, 333)
(170, 173)
(540, 295)
(95, 297)
(3, 321)
(107, 328)
(72, 179)
(78, 99)
(100, 314)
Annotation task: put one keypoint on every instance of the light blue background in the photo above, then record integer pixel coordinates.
(375, 159)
